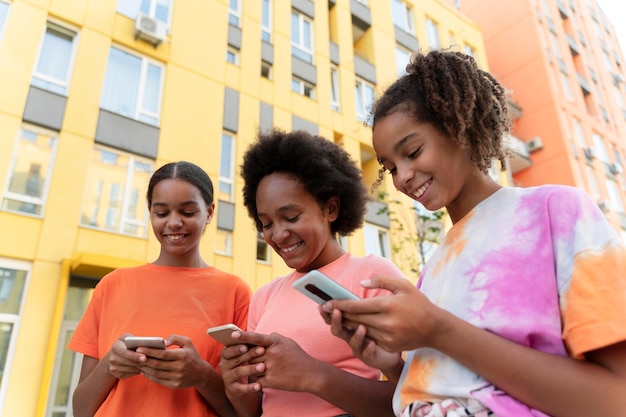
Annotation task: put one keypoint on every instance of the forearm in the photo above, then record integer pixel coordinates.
(93, 390)
(360, 397)
(559, 386)
(248, 405)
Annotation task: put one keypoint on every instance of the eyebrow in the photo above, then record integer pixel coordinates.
(185, 203)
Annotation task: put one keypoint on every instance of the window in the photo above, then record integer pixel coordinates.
(614, 196)
(262, 249)
(232, 55)
(13, 282)
(227, 168)
(469, 50)
(567, 89)
(30, 172)
(432, 34)
(56, 57)
(376, 240)
(403, 56)
(402, 16)
(157, 9)
(600, 148)
(234, 12)
(266, 70)
(302, 87)
(113, 198)
(364, 96)
(132, 87)
(4, 11)
(594, 191)
(266, 21)
(301, 37)
(223, 242)
(334, 89)
(580, 134)
(67, 363)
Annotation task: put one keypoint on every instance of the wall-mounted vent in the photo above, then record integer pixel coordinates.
(150, 30)
(534, 144)
(589, 153)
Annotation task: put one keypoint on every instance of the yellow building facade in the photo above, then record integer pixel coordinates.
(97, 94)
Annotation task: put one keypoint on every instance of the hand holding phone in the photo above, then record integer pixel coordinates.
(222, 334)
(320, 288)
(133, 342)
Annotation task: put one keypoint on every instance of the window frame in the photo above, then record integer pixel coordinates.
(49, 82)
(230, 179)
(139, 114)
(362, 108)
(382, 245)
(152, 9)
(303, 87)
(23, 198)
(234, 13)
(126, 196)
(266, 27)
(4, 17)
(299, 49)
(335, 89)
(432, 34)
(15, 321)
(402, 16)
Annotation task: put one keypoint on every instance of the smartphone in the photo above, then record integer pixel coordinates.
(320, 288)
(222, 334)
(133, 342)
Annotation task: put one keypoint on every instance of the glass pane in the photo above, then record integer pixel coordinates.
(5, 339)
(152, 89)
(121, 84)
(54, 61)
(115, 182)
(4, 9)
(11, 289)
(128, 8)
(162, 11)
(28, 179)
(64, 382)
(295, 28)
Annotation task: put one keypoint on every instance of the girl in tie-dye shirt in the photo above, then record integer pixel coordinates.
(521, 311)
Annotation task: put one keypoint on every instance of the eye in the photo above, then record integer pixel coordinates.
(293, 219)
(189, 213)
(415, 153)
(160, 215)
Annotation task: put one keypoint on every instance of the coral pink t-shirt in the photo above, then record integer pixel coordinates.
(278, 307)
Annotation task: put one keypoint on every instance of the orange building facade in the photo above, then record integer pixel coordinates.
(565, 69)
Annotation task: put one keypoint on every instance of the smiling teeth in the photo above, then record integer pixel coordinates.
(420, 191)
(175, 238)
(290, 248)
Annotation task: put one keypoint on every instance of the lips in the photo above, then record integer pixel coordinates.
(175, 237)
(421, 190)
(291, 248)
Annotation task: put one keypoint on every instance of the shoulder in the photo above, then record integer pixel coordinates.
(376, 263)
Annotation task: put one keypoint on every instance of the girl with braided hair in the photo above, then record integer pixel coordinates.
(521, 311)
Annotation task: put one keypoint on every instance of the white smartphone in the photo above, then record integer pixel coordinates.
(133, 342)
(222, 334)
(320, 288)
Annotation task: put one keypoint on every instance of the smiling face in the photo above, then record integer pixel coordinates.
(428, 166)
(179, 216)
(294, 224)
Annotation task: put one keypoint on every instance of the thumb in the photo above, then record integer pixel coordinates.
(394, 284)
(177, 340)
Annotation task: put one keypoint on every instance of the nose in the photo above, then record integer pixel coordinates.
(404, 175)
(174, 221)
(278, 233)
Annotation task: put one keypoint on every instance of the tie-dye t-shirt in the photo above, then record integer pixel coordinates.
(539, 266)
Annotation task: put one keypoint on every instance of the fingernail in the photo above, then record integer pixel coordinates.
(366, 282)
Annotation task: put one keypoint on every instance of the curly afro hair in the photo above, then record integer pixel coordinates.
(449, 91)
(324, 169)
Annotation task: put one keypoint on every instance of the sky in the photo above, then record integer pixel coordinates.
(615, 10)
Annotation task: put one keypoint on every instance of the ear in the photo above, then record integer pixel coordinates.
(210, 210)
(332, 208)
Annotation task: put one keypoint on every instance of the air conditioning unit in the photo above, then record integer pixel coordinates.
(150, 30)
(616, 168)
(604, 206)
(589, 153)
(534, 144)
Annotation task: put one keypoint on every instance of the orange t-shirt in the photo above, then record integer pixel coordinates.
(153, 300)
